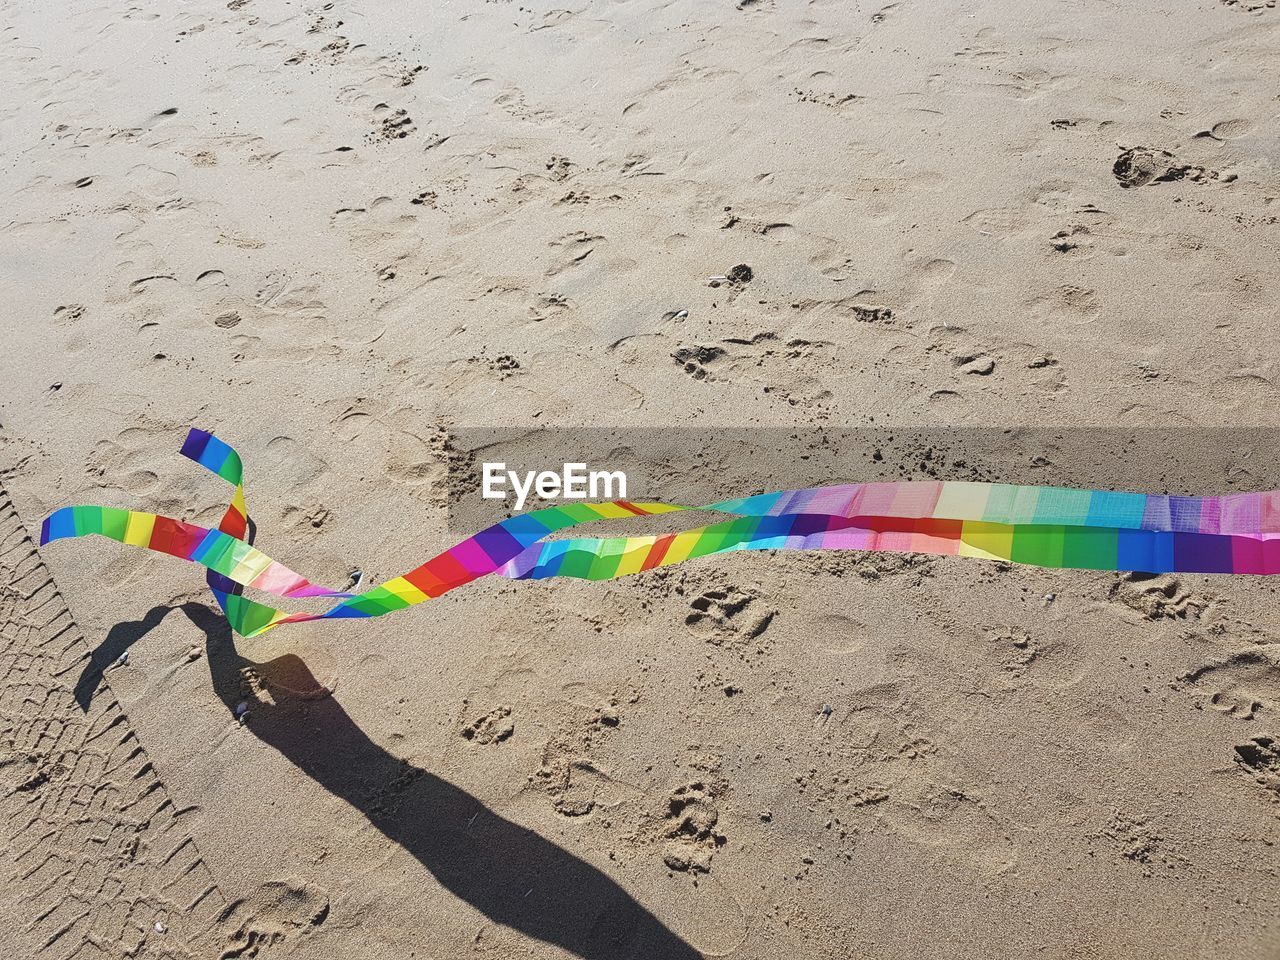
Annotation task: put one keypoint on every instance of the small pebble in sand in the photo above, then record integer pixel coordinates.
(122, 660)
(161, 928)
(242, 710)
(1050, 597)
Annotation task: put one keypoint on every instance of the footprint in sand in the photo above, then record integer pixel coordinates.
(1157, 597)
(1259, 757)
(1245, 685)
(68, 312)
(1142, 166)
(728, 616)
(838, 634)
(1228, 130)
(954, 823)
(278, 911)
(496, 726)
(1249, 6)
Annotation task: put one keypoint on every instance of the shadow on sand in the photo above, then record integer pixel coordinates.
(507, 872)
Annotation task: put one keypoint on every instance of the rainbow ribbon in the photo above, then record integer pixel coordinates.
(1044, 526)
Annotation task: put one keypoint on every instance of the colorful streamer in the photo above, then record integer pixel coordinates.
(1044, 526)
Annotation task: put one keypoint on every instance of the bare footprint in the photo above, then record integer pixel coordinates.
(1243, 685)
(1157, 597)
(1249, 6)
(1141, 166)
(1228, 130)
(278, 911)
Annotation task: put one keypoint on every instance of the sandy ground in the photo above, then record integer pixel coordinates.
(336, 233)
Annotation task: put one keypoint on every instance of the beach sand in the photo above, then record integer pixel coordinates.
(339, 234)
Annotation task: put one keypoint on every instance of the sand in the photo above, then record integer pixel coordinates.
(343, 235)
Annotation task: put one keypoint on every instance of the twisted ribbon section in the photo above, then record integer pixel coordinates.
(1044, 526)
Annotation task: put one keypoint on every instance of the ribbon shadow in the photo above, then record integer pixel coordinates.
(509, 873)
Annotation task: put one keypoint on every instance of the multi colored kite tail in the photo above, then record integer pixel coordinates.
(247, 617)
(233, 563)
(1044, 526)
(1052, 527)
(218, 457)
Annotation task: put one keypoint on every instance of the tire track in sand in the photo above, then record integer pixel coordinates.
(96, 859)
